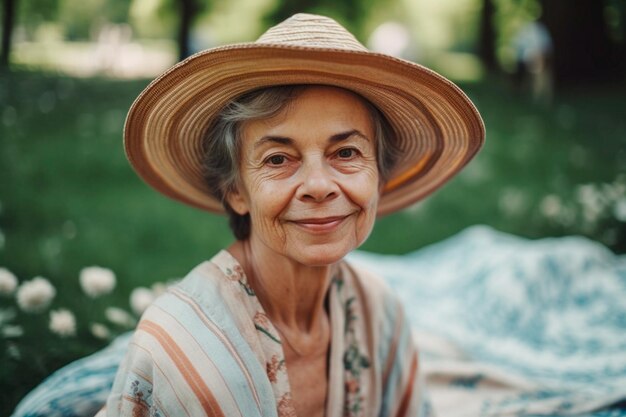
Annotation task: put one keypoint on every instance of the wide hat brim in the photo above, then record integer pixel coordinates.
(437, 127)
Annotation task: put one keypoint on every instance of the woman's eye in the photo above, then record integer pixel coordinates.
(346, 153)
(276, 160)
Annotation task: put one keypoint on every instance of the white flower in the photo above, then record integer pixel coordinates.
(100, 331)
(140, 299)
(550, 206)
(12, 331)
(9, 330)
(14, 351)
(592, 200)
(120, 317)
(62, 322)
(619, 190)
(612, 191)
(619, 209)
(35, 295)
(159, 288)
(8, 282)
(512, 202)
(6, 315)
(96, 281)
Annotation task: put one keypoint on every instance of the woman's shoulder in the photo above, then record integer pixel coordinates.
(191, 338)
(210, 283)
(207, 293)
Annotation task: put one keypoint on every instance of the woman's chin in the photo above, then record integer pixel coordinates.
(320, 255)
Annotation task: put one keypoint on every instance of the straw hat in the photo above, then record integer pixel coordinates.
(437, 127)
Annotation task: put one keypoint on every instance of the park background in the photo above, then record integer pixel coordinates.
(554, 162)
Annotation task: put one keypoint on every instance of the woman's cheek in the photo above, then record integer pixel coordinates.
(365, 185)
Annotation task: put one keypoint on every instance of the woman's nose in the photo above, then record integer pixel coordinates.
(317, 183)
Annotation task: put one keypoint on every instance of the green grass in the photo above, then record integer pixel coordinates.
(69, 199)
(531, 151)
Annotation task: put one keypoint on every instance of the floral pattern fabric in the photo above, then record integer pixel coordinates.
(208, 348)
(344, 312)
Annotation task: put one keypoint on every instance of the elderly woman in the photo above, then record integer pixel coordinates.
(302, 138)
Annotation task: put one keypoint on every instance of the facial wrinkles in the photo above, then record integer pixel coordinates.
(264, 180)
(311, 148)
(334, 175)
(360, 171)
(361, 206)
(366, 216)
(295, 209)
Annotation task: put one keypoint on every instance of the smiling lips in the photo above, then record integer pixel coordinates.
(321, 224)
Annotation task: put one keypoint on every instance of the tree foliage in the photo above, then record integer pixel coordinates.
(352, 14)
(186, 12)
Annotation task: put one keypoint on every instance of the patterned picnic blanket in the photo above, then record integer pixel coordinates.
(507, 327)
(515, 327)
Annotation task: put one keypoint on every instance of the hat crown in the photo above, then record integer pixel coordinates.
(311, 31)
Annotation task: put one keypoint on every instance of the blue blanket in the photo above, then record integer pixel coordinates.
(546, 316)
(507, 326)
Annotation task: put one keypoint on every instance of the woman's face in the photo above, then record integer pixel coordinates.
(309, 178)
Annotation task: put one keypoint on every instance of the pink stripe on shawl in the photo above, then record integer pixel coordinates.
(186, 368)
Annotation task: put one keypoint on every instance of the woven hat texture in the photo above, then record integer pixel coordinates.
(437, 127)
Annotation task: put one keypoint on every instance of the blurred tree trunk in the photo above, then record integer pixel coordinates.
(8, 21)
(188, 10)
(583, 51)
(487, 37)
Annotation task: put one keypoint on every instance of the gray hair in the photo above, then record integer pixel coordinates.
(222, 149)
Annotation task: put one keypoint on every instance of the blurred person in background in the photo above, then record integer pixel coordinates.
(533, 57)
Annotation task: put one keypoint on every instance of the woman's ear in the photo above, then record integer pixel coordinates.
(381, 186)
(237, 201)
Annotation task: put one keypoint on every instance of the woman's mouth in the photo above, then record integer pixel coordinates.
(320, 224)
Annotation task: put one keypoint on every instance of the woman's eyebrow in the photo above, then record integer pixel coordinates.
(283, 140)
(345, 135)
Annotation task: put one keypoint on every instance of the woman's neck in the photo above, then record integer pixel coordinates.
(293, 295)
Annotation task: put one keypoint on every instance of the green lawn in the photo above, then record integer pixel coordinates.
(68, 198)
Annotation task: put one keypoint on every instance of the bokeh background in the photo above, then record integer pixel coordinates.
(547, 75)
